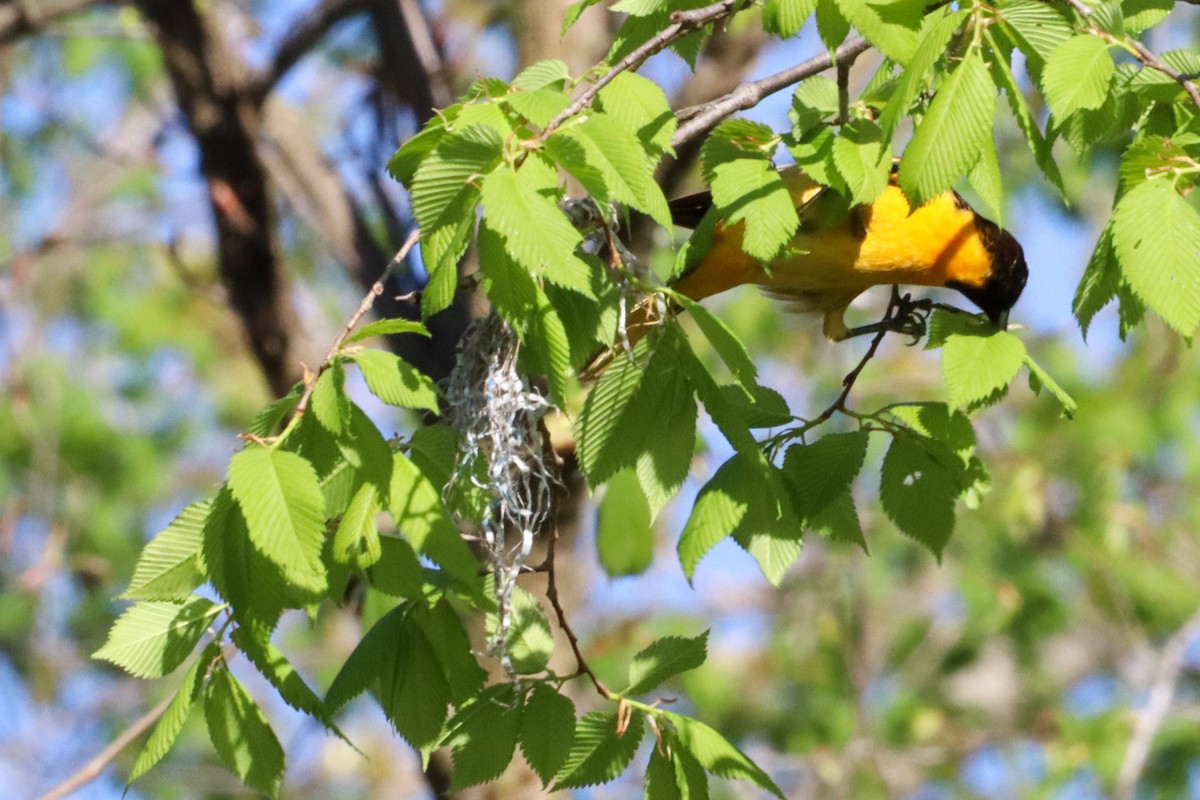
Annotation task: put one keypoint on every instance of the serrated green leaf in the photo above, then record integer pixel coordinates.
(266, 422)
(513, 207)
(387, 327)
(1039, 378)
(663, 660)
(986, 181)
(744, 499)
(552, 72)
(168, 568)
(1143, 14)
(483, 735)
(547, 730)
(412, 687)
(816, 474)
(891, 25)
(599, 753)
(838, 521)
(759, 407)
(977, 366)
(641, 105)
(1038, 144)
(624, 535)
(785, 17)
(281, 499)
(1099, 283)
(716, 754)
(918, 491)
(573, 12)
(746, 187)
(1154, 84)
(171, 723)
(240, 733)
(1038, 28)
(728, 346)
(329, 401)
(727, 417)
(1156, 236)
(417, 507)
(396, 382)
(279, 672)
(638, 8)
(403, 165)
(863, 161)
(397, 572)
(368, 661)
(252, 584)
(152, 638)
(1077, 75)
(957, 126)
(936, 31)
(637, 30)
(356, 542)
(448, 637)
(832, 25)
(529, 641)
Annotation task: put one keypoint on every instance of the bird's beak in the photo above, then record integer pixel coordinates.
(1002, 320)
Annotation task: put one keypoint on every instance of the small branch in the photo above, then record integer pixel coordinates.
(682, 23)
(1158, 704)
(17, 21)
(843, 82)
(300, 39)
(94, 768)
(552, 596)
(698, 119)
(363, 307)
(1140, 52)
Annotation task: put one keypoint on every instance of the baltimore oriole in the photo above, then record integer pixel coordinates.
(943, 243)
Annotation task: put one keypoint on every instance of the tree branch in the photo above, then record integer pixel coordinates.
(1158, 704)
(698, 119)
(682, 23)
(17, 21)
(94, 768)
(1139, 51)
(301, 37)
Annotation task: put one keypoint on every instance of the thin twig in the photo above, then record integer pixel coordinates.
(582, 667)
(1158, 704)
(94, 768)
(300, 39)
(363, 307)
(1140, 52)
(682, 23)
(698, 119)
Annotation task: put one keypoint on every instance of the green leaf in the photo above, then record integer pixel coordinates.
(1156, 236)
(1143, 14)
(551, 73)
(1038, 27)
(397, 572)
(663, 660)
(417, 507)
(838, 521)
(936, 31)
(266, 423)
(171, 723)
(863, 161)
(759, 406)
(252, 584)
(538, 107)
(716, 754)
(329, 401)
(1039, 378)
(573, 12)
(240, 733)
(356, 542)
(444, 629)
(368, 661)
(746, 187)
(975, 367)
(784, 18)
(484, 736)
(599, 753)
(816, 474)
(624, 535)
(1099, 283)
(986, 181)
(529, 642)
(728, 346)
(513, 207)
(1038, 144)
(152, 638)
(957, 126)
(641, 105)
(168, 568)
(891, 25)
(638, 8)
(675, 776)
(396, 382)
(387, 327)
(547, 730)
(744, 499)
(279, 672)
(727, 416)
(832, 25)
(403, 165)
(280, 496)
(918, 492)
(1077, 75)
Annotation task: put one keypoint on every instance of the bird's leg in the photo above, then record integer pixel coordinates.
(904, 315)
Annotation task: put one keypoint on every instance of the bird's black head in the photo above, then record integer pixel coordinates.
(1003, 286)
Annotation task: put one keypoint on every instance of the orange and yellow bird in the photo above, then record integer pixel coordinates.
(944, 243)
